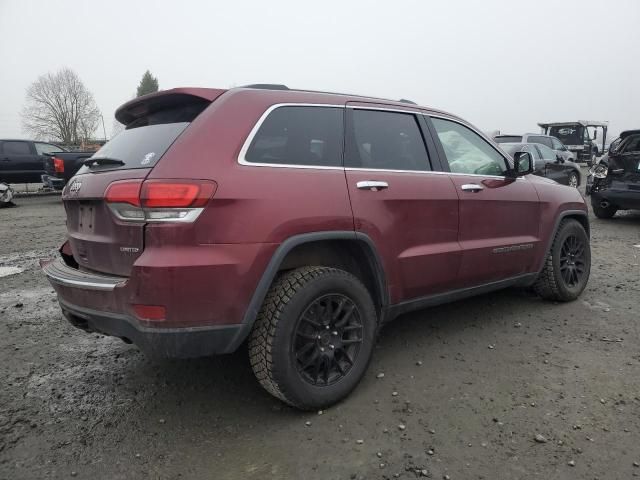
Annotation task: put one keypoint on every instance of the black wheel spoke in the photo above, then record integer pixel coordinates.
(327, 339)
(346, 316)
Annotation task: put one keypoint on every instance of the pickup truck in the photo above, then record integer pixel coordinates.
(27, 161)
(60, 166)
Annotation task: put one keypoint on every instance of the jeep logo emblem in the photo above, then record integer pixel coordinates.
(75, 186)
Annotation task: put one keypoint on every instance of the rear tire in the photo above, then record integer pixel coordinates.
(566, 269)
(314, 336)
(603, 212)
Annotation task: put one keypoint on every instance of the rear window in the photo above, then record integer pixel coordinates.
(143, 142)
(308, 136)
(569, 135)
(508, 139)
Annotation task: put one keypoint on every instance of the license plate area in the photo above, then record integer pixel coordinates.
(86, 217)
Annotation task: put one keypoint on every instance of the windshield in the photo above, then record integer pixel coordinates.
(568, 134)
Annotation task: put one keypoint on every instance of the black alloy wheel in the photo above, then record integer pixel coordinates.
(327, 339)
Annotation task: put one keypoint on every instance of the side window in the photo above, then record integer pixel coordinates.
(310, 136)
(556, 145)
(468, 152)
(16, 148)
(539, 139)
(532, 150)
(547, 153)
(385, 140)
(46, 148)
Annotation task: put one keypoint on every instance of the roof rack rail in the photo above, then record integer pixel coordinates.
(267, 86)
(404, 100)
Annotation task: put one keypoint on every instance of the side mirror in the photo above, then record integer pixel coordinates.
(559, 159)
(522, 164)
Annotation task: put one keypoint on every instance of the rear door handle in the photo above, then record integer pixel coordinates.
(372, 185)
(472, 187)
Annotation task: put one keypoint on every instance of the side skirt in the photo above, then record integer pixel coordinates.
(438, 299)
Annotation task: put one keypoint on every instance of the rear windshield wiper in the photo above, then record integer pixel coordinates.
(102, 161)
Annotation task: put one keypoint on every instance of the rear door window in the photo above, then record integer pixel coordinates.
(385, 140)
(299, 135)
(16, 148)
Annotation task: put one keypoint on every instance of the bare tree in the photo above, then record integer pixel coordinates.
(59, 107)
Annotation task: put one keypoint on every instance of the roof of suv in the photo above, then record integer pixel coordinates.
(139, 106)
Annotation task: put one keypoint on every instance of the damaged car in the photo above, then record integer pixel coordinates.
(614, 182)
(547, 163)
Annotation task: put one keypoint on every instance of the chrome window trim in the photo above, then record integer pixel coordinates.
(388, 109)
(245, 146)
(247, 143)
(433, 172)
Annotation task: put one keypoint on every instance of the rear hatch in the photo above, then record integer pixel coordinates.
(99, 240)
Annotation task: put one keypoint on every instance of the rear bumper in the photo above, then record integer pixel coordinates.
(622, 199)
(52, 182)
(157, 342)
(205, 298)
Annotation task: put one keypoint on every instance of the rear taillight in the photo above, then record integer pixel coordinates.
(58, 165)
(170, 194)
(159, 200)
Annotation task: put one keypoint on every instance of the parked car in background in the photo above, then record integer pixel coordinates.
(548, 163)
(614, 182)
(219, 216)
(60, 166)
(21, 161)
(552, 142)
(28, 161)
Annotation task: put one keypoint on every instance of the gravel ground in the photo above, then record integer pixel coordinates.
(502, 386)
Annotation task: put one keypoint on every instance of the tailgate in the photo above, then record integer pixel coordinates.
(98, 240)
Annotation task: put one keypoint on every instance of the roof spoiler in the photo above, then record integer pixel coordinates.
(141, 106)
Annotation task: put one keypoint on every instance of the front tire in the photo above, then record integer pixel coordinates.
(566, 270)
(314, 336)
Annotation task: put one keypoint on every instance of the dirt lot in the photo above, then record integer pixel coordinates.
(472, 383)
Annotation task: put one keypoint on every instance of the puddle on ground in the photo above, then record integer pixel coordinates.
(6, 271)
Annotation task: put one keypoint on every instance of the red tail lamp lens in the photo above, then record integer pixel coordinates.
(124, 192)
(168, 194)
(150, 312)
(58, 165)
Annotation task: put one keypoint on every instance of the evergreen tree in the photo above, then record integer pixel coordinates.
(148, 84)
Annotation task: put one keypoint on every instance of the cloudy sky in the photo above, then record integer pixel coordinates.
(501, 64)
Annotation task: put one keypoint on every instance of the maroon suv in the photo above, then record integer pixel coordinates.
(301, 221)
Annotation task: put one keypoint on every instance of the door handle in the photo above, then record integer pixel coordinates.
(372, 185)
(472, 187)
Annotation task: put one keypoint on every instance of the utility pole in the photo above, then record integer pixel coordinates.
(104, 130)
